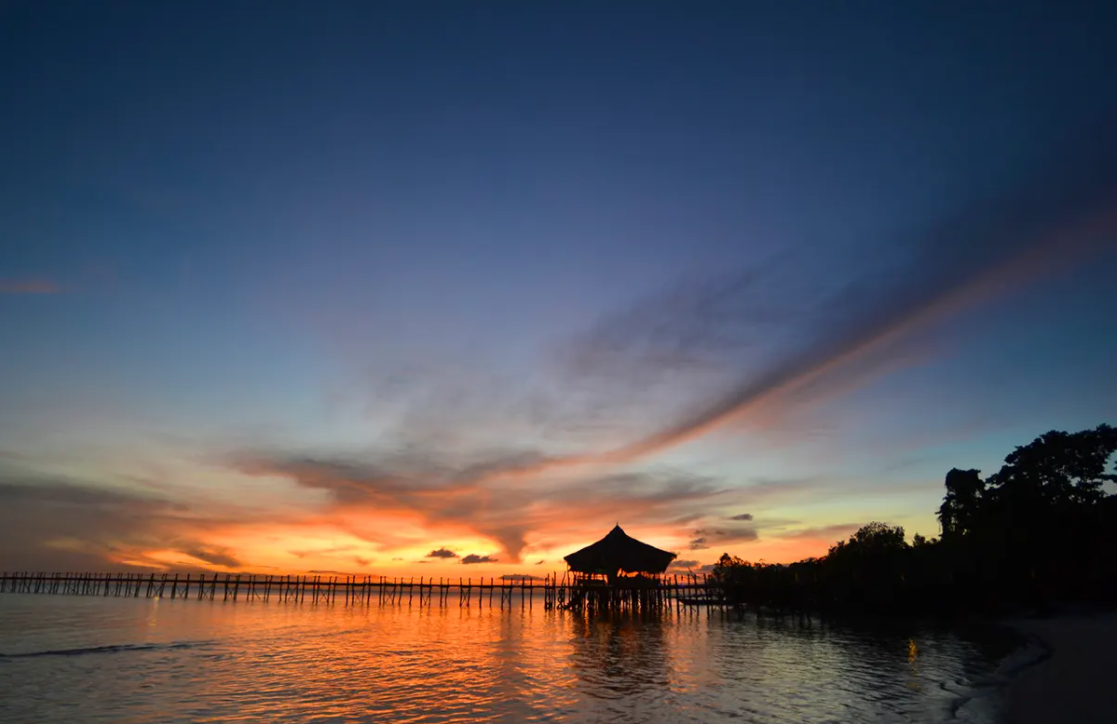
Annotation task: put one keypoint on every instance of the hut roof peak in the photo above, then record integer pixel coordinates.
(619, 551)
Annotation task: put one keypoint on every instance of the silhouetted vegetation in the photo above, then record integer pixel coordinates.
(1038, 532)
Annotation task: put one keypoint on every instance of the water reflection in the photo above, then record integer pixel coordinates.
(176, 661)
(621, 655)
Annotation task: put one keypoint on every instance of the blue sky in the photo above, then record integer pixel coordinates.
(377, 278)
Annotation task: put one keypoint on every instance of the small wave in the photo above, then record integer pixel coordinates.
(980, 702)
(1033, 653)
(112, 649)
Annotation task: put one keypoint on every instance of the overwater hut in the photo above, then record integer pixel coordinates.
(619, 553)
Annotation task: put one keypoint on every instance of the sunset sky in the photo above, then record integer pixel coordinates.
(450, 289)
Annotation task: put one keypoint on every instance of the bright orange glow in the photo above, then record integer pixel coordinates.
(320, 547)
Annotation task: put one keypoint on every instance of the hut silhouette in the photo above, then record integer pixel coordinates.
(618, 552)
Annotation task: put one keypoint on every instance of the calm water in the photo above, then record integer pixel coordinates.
(71, 659)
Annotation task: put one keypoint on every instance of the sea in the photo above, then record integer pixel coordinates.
(88, 659)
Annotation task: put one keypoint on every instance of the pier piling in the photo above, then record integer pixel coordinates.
(556, 592)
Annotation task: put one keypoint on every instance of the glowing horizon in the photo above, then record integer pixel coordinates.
(417, 297)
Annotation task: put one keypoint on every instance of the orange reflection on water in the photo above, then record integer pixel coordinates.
(208, 661)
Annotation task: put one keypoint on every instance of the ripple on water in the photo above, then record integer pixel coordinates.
(203, 661)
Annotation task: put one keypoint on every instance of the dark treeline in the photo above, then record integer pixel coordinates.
(1039, 532)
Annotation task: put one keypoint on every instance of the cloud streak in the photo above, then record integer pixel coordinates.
(29, 286)
(1064, 215)
(218, 556)
(53, 523)
(449, 497)
(705, 538)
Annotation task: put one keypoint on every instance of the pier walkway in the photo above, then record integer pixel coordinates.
(556, 592)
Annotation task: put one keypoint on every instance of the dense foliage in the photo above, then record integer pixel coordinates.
(1039, 531)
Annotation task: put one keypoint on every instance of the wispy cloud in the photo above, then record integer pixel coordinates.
(671, 368)
(702, 354)
(448, 495)
(320, 551)
(29, 286)
(812, 337)
(833, 532)
(717, 537)
(218, 556)
(55, 523)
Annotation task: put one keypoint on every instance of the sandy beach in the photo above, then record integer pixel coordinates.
(1075, 685)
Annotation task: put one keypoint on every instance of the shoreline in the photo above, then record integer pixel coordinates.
(1072, 680)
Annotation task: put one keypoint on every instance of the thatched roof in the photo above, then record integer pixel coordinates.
(617, 551)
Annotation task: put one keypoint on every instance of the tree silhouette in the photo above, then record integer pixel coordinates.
(1036, 532)
(961, 508)
(1058, 468)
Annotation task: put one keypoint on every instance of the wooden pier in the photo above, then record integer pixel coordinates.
(555, 591)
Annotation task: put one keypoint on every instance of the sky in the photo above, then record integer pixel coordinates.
(451, 289)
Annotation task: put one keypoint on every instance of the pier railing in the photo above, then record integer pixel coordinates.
(556, 591)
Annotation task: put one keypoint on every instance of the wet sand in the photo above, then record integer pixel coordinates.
(1076, 684)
